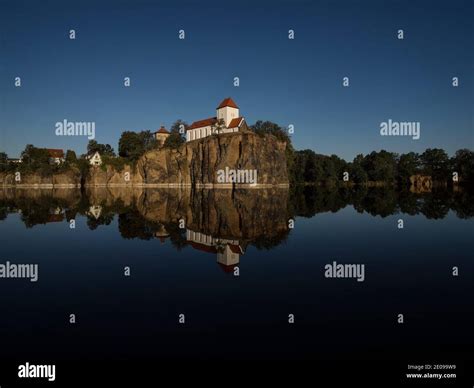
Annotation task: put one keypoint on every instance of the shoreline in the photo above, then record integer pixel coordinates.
(228, 186)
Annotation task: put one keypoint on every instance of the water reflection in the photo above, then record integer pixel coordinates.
(221, 222)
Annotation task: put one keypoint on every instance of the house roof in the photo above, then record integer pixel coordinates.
(203, 247)
(235, 122)
(236, 249)
(162, 130)
(203, 123)
(90, 156)
(227, 102)
(55, 152)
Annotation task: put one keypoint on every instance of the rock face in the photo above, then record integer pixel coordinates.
(67, 179)
(201, 163)
(108, 176)
(197, 163)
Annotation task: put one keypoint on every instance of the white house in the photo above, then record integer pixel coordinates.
(94, 159)
(227, 120)
(95, 211)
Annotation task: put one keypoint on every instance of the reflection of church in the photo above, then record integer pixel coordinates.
(162, 234)
(228, 251)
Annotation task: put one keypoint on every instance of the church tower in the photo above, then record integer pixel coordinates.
(227, 111)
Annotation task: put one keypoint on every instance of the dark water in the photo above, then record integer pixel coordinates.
(281, 272)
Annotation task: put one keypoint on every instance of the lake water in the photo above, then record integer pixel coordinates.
(183, 248)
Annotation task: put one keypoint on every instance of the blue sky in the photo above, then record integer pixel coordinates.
(295, 82)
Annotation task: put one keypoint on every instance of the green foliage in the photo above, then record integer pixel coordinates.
(176, 138)
(102, 149)
(117, 163)
(463, 164)
(262, 128)
(83, 166)
(435, 162)
(408, 165)
(309, 167)
(132, 145)
(71, 157)
(34, 158)
(3, 162)
(380, 166)
(357, 174)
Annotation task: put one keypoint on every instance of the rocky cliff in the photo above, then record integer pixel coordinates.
(207, 163)
(67, 179)
(197, 163)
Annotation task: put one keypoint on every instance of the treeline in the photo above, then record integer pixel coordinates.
(387, 167)
(304, 167)
(308, 167)
(131, 146)
(37, 160)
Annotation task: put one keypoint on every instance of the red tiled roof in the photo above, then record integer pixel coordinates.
(55, 152)
(162, 130)
(235, 122)
(203, 247)
(235, 248)
(203, 123)
(228, 102)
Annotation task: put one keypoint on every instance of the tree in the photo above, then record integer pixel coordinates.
(356, 173)
(267, 127)
(176, 138)
(34, 157)
(3, 161)
(463, 163)
(218, 126)
(408, 165)
(132, 145)
(102, 149)
(435, 162)
(380, 166)
(71, 156)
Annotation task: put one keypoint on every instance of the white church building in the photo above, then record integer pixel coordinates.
(227, 120)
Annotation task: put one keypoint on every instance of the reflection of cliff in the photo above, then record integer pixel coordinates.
(256, 217)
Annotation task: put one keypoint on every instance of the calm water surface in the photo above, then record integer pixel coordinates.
(190, 270)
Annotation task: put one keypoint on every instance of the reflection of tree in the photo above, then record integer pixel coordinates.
(409, 202)
(436, 205)
(382, 202)
(306, 201)
(463, 204)
(133, 225)
(270, 241)
(250, 217)
(3, 212)
(177, 235)
(310, 200)
(104, 219)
